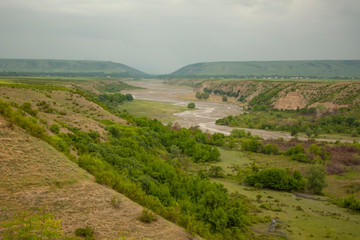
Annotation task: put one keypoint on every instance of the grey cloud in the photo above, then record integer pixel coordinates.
(160, 36)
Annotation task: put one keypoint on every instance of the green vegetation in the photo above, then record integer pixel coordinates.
(147, 216)
(33, 226)
(176, 173)
(307, 121)
(129, 163)
(278, 179)
(158, 110)
(316, 179)
(87, 232)
(350, 202)
(311, 69)
(203, 95)
(191, 105)
(14, 67)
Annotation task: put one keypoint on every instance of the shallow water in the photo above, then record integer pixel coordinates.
(206, 112)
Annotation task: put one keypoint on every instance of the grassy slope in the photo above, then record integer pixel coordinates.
(318, 218)
(321, 69)
(64, 66)
(33, 174)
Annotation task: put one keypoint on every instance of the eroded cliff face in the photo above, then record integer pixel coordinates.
(288, 95)
(290, 101)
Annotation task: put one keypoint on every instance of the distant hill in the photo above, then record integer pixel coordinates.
(312, 69)
(67, 68)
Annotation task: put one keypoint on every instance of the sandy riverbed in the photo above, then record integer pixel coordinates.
(206, 112)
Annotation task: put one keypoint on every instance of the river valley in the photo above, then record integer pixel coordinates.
(206, 112)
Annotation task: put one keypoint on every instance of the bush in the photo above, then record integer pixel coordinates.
(55, 128)
(87, 232)
(316, 181)
(271, 149)
(35, 226)
(216, 172)
(300, 157)
(115, 201)
(239, 133)
(147, 216)
(191, 105)
(350, 202)
(251, 145)
(278, 179)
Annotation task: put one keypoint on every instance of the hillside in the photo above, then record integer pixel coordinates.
(310, 69)
(66, 68)
(34, 174)
(286, 94)
(132, 155)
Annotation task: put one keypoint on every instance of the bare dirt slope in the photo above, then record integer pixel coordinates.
(33, 175)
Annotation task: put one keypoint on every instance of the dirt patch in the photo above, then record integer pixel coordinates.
(291, 101)
(328, 106)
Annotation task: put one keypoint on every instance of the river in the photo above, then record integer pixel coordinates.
(206, 112)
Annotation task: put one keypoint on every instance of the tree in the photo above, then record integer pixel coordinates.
(316, 181)
(224, 99)
(129, 97)
(191, 105)
(309, 132)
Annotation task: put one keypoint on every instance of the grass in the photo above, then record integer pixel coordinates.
(229, 159)
(298, 217)
(33, 175)
(318, 218)
(153, 109)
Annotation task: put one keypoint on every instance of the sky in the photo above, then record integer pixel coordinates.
(161, 36)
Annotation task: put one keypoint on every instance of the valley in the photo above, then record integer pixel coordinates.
(173, 165)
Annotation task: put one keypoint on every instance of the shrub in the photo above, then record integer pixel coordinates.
(55, 128)
(271, 149)
(316, 181)
(34, 226)
(191, 105)
(216, 172)
(295, 150)
(350, 202)
(300, 157)
(251, 145)
(278, 179)
(87, 232)
(115, 201)
(239, 133)
(147, 216)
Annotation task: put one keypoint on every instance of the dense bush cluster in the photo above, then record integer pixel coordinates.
(305, 120)
(350, 202)
(114, 98)
(204, 95)
(278, 179)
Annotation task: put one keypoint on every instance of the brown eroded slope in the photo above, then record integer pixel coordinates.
(33, 174)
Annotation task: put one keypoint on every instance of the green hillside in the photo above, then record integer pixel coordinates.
(311, 69)
(67, 68)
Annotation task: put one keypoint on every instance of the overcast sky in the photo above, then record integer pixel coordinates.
(160, 36)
